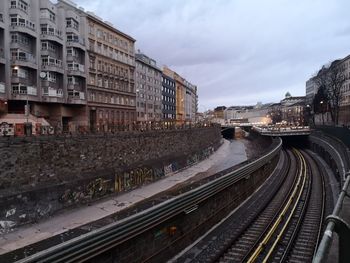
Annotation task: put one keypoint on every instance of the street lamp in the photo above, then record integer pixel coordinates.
(26, 107)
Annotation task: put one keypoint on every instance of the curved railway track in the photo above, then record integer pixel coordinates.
(287, 221)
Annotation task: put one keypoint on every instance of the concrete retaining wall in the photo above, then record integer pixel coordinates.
(166, 240)
(39, 176)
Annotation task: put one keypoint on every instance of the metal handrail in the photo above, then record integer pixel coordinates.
(336, 224)
(85, 246)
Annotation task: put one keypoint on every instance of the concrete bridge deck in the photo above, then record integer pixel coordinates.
(283, 131)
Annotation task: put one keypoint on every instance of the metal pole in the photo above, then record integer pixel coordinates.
(326, 242)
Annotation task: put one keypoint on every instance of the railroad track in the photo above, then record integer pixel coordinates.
(292, 233)
(283, 228)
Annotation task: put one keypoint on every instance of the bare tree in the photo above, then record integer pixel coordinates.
(330, 80)
(335, 94)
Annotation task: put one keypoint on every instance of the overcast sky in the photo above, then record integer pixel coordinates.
(237, 52)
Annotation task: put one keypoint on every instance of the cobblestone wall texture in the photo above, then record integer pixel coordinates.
(41, 175)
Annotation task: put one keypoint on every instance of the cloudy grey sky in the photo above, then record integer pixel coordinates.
(238, 52)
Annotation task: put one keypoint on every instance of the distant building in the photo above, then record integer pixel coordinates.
(186, 98)
(293, 110)
(311, 90)
(111, 78)
(219, 112)
(190, 102)
(344, 112)
(168, 96)
(148, 89)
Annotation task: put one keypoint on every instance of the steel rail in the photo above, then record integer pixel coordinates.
(292, 213)
(95, 242)
(296, 193)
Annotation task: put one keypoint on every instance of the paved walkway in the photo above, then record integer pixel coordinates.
(229, 154)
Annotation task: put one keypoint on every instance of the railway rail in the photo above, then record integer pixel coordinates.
(285, 229)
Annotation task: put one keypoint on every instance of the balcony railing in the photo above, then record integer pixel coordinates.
(77, 67)
(2, 87)
(51, 92)
(55, 33)
(24, 90)
(73, 94)
(58, 63)
(27, 58)
(28, 24)
(77, 40)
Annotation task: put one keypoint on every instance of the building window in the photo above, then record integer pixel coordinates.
(20, 5)
(46, 13)
(20, 73)
(70, 22)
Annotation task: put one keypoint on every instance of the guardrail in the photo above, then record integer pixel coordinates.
(95, 242)
(335, 154)
(338, 225)
(283, 131)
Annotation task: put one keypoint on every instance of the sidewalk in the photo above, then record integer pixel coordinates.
(229, 154)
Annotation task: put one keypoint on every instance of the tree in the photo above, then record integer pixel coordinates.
(329, 96)
(320, 102)
(334, 94)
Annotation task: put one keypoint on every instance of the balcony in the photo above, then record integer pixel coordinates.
(52, 65)
(2, 56)
(50, 94)
(2, 25)
(26, 27)
(76, 41)
(52, 34)
(22, 92)
(76, 97)
(76, 69)
(2, 87)
(24, 59)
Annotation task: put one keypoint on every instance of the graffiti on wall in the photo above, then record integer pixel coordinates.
(93, 189)
(200, 156)
(136, 177)
(127, 180)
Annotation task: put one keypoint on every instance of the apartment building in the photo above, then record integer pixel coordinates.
(180, 98)
(64, 65)
(36, 72)
(185, 96)
(148, 89)
(190, 102)
(111, 78)
(168, 96)
(311, 90)
(344, 111)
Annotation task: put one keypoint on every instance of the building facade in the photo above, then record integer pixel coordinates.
(186, 98)
(148, 89)
(293, 110)
(35, 68)
(311, 90)
(111, 76)
(344, 110)
(168, 96)
(190, 102)
(64, 65)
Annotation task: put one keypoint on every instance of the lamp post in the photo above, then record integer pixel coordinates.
(321, 102)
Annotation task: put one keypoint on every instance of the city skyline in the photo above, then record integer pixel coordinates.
(265, 49)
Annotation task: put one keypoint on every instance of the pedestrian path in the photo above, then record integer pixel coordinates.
(229, 154)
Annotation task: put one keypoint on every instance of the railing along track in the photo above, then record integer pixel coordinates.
(95, 242)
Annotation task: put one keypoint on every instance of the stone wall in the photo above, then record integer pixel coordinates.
(167, 239)
(41, 175)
